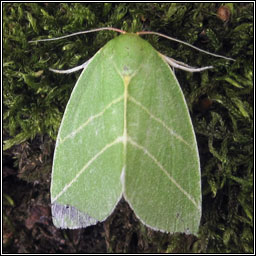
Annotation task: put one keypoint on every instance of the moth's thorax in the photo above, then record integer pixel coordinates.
(128, 52)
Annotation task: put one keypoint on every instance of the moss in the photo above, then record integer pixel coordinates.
(220, 101)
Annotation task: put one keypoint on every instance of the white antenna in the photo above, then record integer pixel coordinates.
(185, 43)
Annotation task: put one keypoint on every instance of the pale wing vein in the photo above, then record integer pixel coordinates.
(91, 118)
(171, 131)
(130, 140)
(119, 139)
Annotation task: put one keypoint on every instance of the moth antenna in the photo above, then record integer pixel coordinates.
(79, 33)
(182, 42)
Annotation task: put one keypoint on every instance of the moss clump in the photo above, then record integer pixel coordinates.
(220, 102)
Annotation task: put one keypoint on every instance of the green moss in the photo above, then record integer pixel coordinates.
(220, 100)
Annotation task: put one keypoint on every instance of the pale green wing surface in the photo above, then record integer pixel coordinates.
(162, 177)
(88, 157)
(126, 130)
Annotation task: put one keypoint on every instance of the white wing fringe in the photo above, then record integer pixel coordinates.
(68, 71)
(180, 65)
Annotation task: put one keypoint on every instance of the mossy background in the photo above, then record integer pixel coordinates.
(220, 102)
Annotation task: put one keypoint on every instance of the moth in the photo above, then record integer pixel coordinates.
(127, 133)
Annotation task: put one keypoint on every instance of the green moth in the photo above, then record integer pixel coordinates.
(126, 132)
